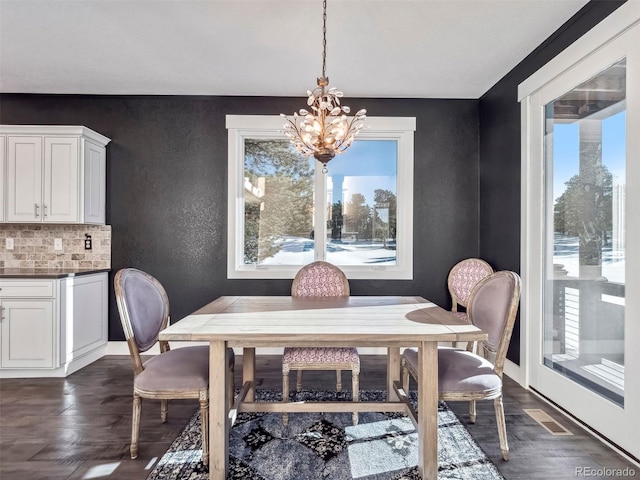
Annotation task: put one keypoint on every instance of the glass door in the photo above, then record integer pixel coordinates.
(581, 235)
(585, 218)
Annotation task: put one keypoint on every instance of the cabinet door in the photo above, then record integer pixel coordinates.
(3, 144)
(95, 181)
(61, 180)
(27, 334)
(24, 179)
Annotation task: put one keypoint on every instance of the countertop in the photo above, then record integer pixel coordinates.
(48, 272)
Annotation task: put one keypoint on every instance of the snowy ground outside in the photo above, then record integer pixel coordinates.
(299, 251)
(566, 254)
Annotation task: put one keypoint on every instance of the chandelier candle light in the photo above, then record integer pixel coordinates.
(325, 131)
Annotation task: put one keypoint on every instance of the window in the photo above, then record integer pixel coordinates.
(284, 213)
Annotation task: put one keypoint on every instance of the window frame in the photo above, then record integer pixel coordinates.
(399, 129)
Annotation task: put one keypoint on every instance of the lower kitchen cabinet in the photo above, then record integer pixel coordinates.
(52, 327)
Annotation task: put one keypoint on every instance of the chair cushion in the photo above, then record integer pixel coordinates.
(344, 355)
(460, 371)
(184, 368)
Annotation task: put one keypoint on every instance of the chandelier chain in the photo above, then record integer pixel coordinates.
(322, 128)
(324, 38)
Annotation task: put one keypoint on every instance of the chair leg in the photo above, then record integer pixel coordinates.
(502, 427)
(355, 381)
(338, 380)
(135, 425)
(204, 417)
(405, 376)
(285, 392)
(472, 411)
(164, 408)
(299, 381)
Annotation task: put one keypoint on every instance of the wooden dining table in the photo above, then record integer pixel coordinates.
(392, 322)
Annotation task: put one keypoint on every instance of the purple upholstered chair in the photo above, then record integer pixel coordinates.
(320, 279)
(173, 374)
(467, 376)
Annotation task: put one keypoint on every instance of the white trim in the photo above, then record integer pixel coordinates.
(399, 129)
(51, 130)
(64, 371)
(607, 30)
(514, 372)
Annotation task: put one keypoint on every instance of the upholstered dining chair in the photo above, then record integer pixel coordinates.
(320, 279)
(462, 278)
(173, 374)
(464, 375)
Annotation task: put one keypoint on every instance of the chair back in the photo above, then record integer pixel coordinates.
(144, 310)
(463, 277)
(320, 279)
(493, 306)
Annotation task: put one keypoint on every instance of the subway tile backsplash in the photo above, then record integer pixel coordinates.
(34, 246)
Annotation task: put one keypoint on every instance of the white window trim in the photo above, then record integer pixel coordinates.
(399, 129)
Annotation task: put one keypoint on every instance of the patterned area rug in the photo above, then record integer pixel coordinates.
(383, 446)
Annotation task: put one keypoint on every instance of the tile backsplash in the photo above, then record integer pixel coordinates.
(34, 246)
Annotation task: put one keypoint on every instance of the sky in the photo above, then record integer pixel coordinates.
(566, 150)
(367, 165)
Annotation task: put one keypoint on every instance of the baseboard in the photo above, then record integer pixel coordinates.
(514, 372)
(65, 370)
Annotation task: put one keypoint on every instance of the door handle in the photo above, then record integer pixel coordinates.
(36, 209)
(44, 209)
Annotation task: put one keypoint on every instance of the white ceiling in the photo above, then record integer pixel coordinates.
(375, 48)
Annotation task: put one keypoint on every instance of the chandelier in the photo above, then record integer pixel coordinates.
(325, 130)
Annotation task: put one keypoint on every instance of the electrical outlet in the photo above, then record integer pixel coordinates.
(9, 244)
(57, 244)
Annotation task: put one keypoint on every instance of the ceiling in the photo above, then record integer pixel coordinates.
(375, 48)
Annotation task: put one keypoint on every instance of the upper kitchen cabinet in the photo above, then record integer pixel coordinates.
(54, 174)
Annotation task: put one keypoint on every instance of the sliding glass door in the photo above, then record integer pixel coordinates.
(584, 219)
(581, 255)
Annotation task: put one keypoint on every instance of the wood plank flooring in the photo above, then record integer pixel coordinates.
(79, 427)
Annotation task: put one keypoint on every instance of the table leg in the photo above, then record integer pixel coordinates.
(428, 410)
(249, 371)
(218, 411)
(393, 372)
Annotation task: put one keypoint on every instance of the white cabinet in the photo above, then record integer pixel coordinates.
(54, 174)
(27, 331)
(52, 327)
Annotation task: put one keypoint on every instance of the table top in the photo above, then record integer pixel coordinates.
(403, 321)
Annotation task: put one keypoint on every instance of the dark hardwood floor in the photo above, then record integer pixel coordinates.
(79, 427)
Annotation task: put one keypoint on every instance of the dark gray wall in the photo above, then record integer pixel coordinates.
(167, 187)
(500, 149)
